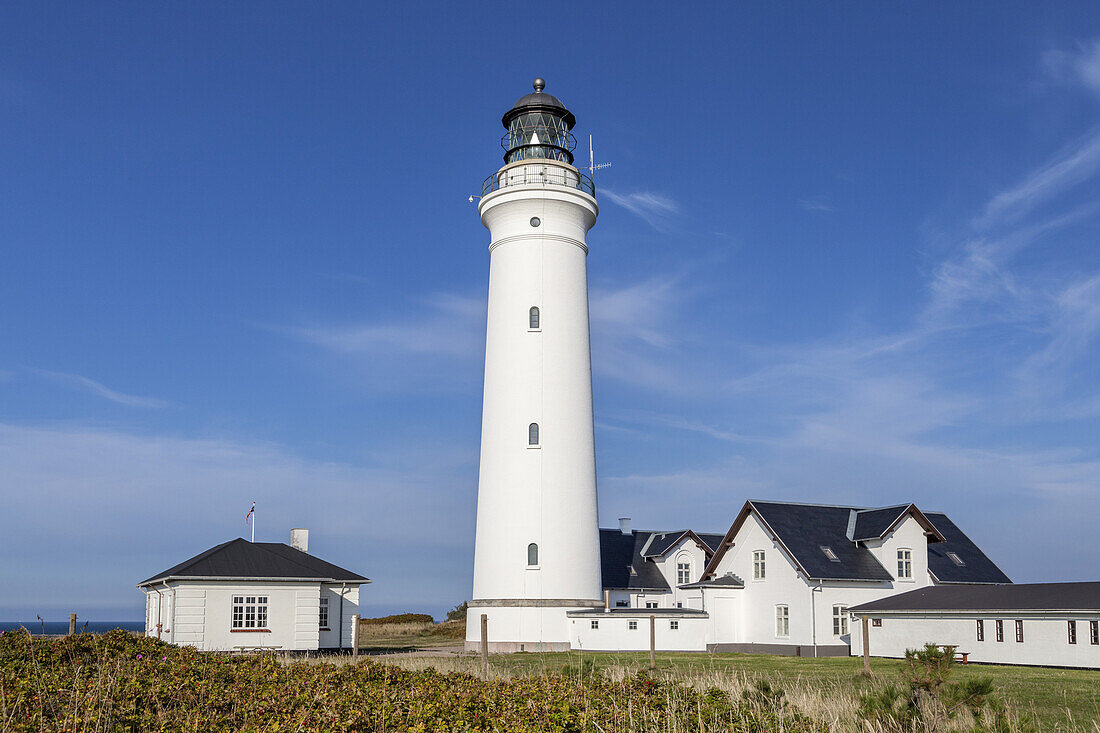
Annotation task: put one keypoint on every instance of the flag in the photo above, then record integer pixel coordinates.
(250, 512)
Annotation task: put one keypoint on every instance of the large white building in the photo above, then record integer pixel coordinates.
(254, 595)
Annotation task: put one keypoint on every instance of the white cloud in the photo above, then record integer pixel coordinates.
(814, 203)
(84, 384)
(1080, 66)
(655, 209)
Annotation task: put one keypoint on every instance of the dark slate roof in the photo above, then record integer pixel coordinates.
(662, 542)
(805, 528)
(619, 552)
(726, 581)
(978, 567)
(240, 558)
(871, 524)
(638, 613)
(1009, 597)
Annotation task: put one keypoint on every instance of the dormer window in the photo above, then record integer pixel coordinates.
(632, 570)
(956, 559)
(830, 554)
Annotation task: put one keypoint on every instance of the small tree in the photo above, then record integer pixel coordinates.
(458, 613)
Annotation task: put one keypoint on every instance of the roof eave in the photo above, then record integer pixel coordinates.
(249, 578)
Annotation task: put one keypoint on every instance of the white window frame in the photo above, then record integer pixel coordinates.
(1094, 632)
(673, 625)
(905, 563)
(249, 613)
(322, 614)
(1019, 631)
(652, 604)
(840, 620)
(980, 630)
(759, 565)
(1071, 629)
(683, 570)
(595, 624)
(632, 626)
(782, 621)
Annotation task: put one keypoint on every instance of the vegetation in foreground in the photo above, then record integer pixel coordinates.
(117, 682)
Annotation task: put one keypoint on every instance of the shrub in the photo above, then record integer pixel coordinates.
(458, 613)
(399, 618)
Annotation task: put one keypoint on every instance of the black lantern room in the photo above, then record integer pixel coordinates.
(538, 127)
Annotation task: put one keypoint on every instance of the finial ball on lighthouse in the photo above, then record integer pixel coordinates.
(539, 84)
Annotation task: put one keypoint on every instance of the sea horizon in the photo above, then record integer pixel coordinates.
(62, 627)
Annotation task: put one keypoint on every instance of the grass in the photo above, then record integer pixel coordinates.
(1039, 698)
(410, 636)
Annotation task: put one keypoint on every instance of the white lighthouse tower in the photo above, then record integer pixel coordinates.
(536, 553)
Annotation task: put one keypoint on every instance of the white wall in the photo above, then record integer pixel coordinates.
(1046, 638)
(614, 633)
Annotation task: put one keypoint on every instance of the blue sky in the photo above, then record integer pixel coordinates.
(846, 254)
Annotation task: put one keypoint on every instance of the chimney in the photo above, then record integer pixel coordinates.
(299, 539)
(624, 525)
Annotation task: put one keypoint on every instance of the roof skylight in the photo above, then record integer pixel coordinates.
(830, 554)
(956, 559)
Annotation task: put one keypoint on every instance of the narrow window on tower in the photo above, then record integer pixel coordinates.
(533, 434)
(533, 315)
(532, 555)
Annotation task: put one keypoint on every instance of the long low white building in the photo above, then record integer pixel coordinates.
(1043, 624)
(241, 595)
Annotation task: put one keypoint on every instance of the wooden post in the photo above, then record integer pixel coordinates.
(484, 646)
(72, 624)
(354, 638)
(652, 641)
(866, 647)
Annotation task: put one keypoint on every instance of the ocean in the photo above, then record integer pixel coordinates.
(62, 627)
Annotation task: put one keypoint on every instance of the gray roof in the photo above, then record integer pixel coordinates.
(240, 558)
(806, 528)
(726, 581)
(619, 553)
(987, 597)
(872, 524)
(662, 542)
(977, 568)
(539, 101)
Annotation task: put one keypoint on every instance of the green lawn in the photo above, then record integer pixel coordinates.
(1052, 699)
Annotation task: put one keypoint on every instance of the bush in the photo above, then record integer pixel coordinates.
(116, 682)
(458, 613)
(399, 618)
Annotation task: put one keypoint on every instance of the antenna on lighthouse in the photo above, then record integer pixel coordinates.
(592, 167)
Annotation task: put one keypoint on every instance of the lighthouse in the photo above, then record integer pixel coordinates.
(536, 550)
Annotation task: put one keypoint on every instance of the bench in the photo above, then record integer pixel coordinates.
(960, 657)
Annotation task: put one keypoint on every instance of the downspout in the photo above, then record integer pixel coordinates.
(340, 642)
(172, 620)
(813, 614)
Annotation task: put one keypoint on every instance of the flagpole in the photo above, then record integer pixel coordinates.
(253, 522)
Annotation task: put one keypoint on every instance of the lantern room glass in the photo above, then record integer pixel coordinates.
(538, 135)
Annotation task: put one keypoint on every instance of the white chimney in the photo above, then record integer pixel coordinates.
(624, 525)
(299, 539)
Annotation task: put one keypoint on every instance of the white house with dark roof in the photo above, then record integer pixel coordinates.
(1049, 624)
(249, 595)
(781, 580)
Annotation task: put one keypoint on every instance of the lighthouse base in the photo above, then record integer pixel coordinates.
(522, 625)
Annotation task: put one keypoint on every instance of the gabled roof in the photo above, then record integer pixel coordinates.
(976, 568)
(805, 530)
(619, 553)
(726, 581)
(1009, 597)
(660, 544)
(243, 560)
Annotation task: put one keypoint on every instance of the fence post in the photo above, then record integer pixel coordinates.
(652, 641)
(72, 624)
(354, 638)
(484, 646)
(866, 647)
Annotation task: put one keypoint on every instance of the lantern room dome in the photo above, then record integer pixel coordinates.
(539, 101)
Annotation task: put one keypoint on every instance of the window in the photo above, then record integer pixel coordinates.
(533, 434)
(905, 564)
(876, 622)
(1019, 632)
(981, 630)
(534, 316)
(1000, 625)
(673, 625)
(679, 604)
(535, 221)
(1094, 632)
(758, 565)
(632, 626)
(956, 559)
(1072, 630)
(683, 573)
(249, 612)
(782, 621)
(322, 617)
(830, 554)
(532, 555)
(595, 624)
(622, 604)
(651, 604)
(840, 620)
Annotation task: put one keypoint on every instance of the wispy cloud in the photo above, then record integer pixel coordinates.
(1079, 66)
(655, 209)
(90, 386)
(814, 203)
